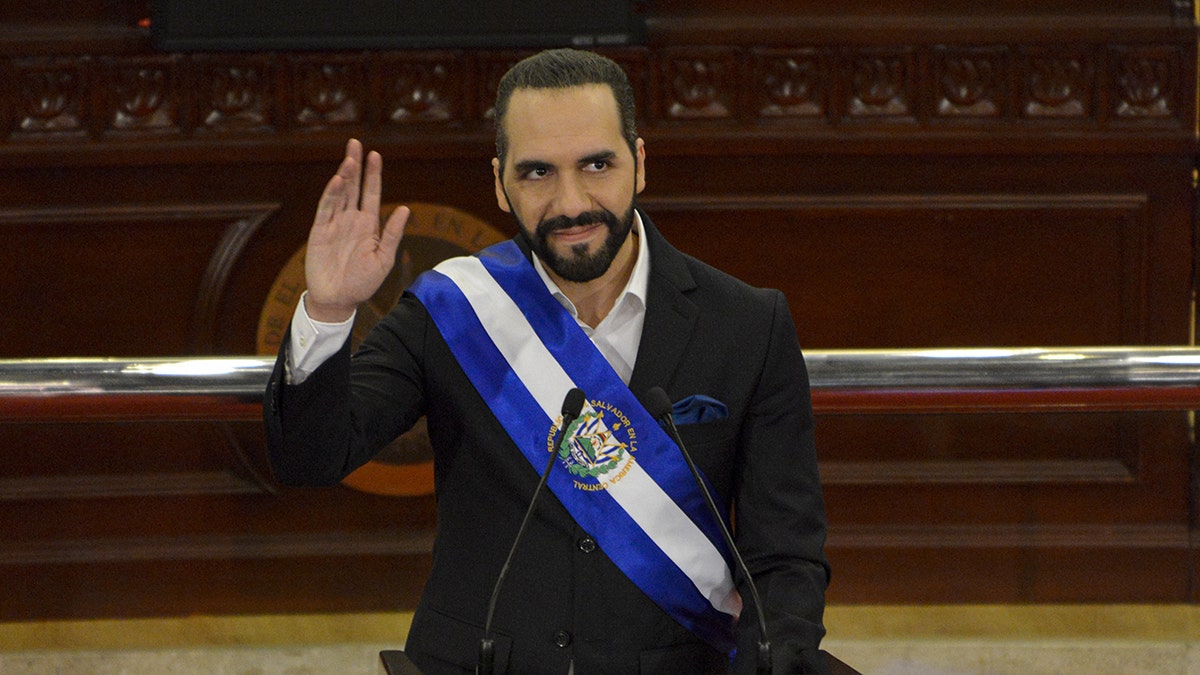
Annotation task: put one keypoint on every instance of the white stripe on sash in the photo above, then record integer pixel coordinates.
(637, 493)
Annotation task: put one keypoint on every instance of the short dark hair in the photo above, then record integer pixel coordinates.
(560, 69)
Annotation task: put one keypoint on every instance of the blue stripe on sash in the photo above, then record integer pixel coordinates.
(505, 394)
(596, 512)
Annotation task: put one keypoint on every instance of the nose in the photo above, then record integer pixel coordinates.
(572, 198)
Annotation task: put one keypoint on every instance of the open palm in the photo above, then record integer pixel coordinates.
(348, 255)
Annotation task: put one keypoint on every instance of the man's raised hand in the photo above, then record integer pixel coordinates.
(348, 255)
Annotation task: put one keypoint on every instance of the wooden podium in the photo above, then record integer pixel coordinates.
(836, 667)
(396, 662)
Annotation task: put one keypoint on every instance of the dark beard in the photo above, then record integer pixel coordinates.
(580, 267)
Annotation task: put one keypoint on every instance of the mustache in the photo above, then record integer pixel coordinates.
(549, 225)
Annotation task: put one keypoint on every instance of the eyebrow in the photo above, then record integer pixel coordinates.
(602, 156)
(527, 165)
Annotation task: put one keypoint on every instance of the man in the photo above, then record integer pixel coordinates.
(619, 570)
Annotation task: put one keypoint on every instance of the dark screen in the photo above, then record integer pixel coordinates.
(390, 24)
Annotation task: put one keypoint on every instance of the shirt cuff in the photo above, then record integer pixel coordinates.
(313, 342)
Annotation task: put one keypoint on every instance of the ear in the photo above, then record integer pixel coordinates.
(641, 166)
(501, 198)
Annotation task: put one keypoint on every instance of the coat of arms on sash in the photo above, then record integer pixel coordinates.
(597, 447)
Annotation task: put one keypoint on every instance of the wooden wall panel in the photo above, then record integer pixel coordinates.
(89, 278)
(940, 174)
(932, 269)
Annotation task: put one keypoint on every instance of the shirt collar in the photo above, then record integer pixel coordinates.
(635, 288)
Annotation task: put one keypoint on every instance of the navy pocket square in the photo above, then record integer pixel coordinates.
(698, 408)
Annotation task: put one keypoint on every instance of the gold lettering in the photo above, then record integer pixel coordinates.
(590, 487)
(288, 293)
(621, 474)
(477, 241)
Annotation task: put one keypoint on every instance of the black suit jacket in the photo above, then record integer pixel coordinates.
(564, 600)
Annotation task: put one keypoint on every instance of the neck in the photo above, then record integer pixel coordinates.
(594, 299)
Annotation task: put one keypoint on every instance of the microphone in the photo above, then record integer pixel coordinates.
(571, 407)
(658, 404)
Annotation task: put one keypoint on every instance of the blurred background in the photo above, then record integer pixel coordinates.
(912, 174)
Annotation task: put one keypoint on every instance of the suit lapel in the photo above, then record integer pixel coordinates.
(670, 315)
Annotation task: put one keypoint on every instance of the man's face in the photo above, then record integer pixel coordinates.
(569, 177)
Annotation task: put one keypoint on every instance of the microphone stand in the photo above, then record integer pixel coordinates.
(659, 405)
(571, 407)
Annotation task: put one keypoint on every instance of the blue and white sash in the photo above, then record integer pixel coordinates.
(625, 482)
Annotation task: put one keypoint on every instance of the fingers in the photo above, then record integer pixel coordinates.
(393, 231)
(332, 201)
(351, 170)
(373, 184)
(341, 192)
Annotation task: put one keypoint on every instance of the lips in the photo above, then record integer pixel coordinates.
(583, 222)
(575, 233)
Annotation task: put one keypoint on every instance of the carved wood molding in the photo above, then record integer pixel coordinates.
(217, 547)
(391, 543)
(978, 472)
(1126, 206)
(93, 486)
(1011, 536)
(245, 221)
(1038, 89)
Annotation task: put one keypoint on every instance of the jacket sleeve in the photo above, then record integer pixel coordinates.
(780, 511)
(351, 406)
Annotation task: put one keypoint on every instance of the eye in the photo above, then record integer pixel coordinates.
(536, 173)
(597, 165)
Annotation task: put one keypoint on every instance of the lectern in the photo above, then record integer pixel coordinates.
(396, 662)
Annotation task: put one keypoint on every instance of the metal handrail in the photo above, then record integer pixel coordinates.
(1036, 379)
